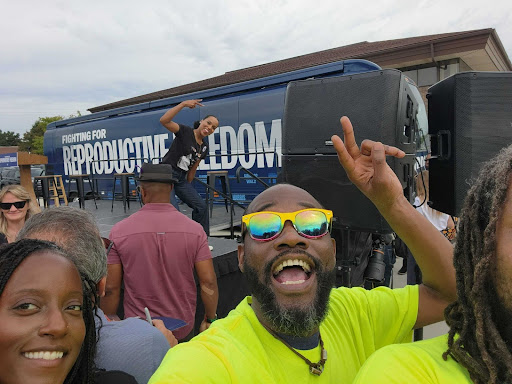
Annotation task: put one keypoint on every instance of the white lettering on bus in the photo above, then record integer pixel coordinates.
(258, 146)
(78, 137)
(228, 162)
(106, 157)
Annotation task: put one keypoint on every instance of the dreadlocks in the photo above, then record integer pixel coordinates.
(474, 339)
(11, 256)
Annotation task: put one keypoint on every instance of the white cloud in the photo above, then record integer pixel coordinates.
(60, 56)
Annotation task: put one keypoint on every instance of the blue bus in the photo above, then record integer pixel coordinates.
(249, 134)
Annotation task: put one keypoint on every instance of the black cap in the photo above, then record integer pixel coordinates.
(156, 173)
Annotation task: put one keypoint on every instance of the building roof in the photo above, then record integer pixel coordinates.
(481, 49)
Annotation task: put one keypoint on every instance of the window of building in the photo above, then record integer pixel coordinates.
(423, 76)
(427, 76)
(448, 70)
(413, 75)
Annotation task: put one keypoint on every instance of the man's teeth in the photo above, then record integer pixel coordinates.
(293, 282)
(292, 263)
(45, 355)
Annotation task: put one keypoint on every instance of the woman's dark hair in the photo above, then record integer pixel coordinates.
(197, 122)
(474, 339)
(11, 256)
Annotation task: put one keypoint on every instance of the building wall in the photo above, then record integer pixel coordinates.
(426, 75)
(8, 149)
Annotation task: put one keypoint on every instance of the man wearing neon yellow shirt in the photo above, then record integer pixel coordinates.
(295, 328)
(478, 347)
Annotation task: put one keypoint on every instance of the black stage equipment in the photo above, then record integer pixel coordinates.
(382, 106)
(470, 120)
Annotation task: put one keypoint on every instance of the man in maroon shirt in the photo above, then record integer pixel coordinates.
(155, 253)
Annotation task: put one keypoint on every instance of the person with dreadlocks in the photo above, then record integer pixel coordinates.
(477, 348)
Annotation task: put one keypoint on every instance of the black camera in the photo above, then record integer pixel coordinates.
(375, 272)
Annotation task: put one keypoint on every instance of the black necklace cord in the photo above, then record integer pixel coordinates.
(314, 368)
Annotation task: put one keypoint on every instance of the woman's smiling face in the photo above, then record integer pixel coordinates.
(14, 214)
(41, 316)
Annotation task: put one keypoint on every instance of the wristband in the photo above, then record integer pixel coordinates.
(210, 320)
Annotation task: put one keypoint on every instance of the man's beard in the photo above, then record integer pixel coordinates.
(300, 322)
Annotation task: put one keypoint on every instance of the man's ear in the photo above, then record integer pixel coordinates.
(334, 249)
(143, 195)
(241, 255)
(101, 286)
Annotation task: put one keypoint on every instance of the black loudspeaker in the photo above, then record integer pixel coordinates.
(470, 120)
(382, 106)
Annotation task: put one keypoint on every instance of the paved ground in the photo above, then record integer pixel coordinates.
(106, 217)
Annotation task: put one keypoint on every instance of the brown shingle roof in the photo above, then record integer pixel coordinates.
(373, 51)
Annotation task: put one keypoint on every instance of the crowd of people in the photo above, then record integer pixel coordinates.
(60, 287)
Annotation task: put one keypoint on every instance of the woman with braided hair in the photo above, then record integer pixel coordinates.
(47, 332)
(478, 346)
(46, 311)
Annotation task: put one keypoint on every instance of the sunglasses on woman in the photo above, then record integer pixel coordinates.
(311, 223)
(17, 204)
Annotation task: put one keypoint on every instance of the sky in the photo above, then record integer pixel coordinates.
(60, 57)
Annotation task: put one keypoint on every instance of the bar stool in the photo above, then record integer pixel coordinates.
(125, 180)
(211, 178)
(57, 188)
(52, 188)
(45, 190)
(79, 180)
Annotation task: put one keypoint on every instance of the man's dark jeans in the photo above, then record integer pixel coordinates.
(188, 194)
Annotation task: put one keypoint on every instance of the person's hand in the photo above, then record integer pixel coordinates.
(204, 326)
(192, 103)
(367, 167)
(159, 324)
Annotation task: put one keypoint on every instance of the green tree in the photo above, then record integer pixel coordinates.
(9, 138)
(33, 139)
(78, 114)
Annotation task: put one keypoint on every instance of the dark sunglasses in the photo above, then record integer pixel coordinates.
(311, 223)
(17, 204)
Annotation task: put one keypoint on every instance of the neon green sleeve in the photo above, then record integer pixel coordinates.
(192, 363)
(419, 362)
(392, 365)
(382, 316)
(393, 314)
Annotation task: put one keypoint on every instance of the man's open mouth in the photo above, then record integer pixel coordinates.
(292, 271)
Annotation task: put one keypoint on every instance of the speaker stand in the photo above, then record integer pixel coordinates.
(345, 269)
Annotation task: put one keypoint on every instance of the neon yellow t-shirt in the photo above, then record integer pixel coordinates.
(238, 349)
(419, 362)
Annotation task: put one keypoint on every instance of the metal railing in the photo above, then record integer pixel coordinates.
(258, 179)
(232, 204)
(96, 177)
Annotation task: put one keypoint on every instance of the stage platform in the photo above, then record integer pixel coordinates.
(219, 221)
